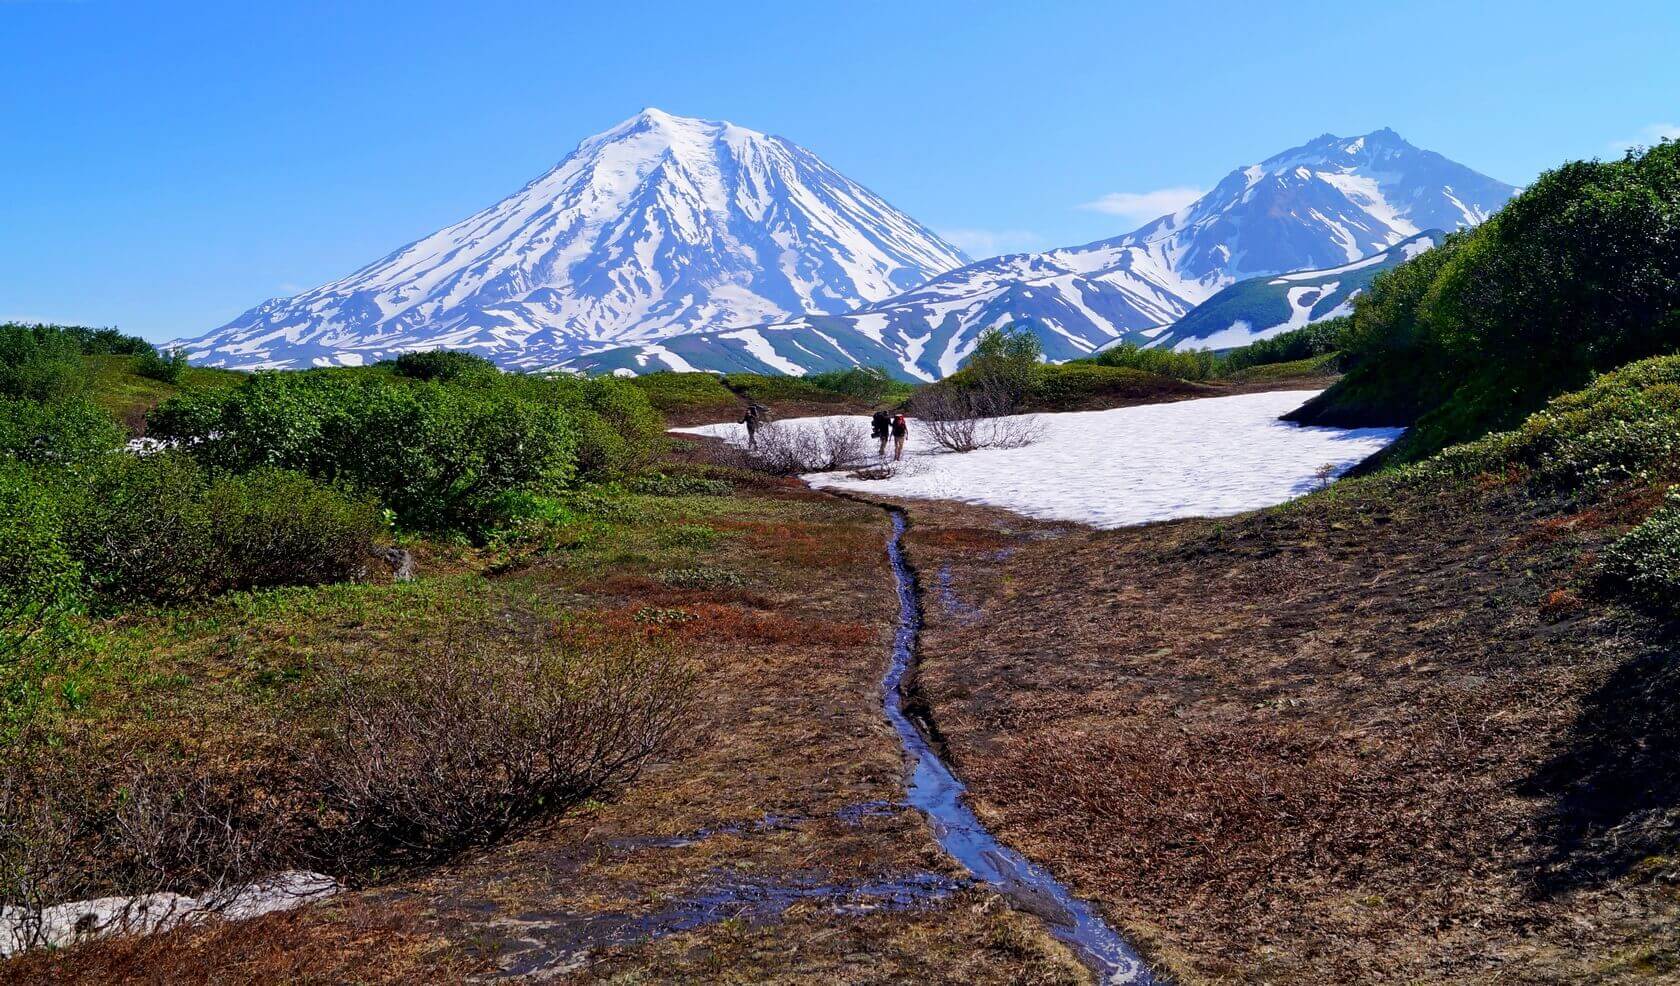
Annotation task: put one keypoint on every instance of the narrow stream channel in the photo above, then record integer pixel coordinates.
(938, 794)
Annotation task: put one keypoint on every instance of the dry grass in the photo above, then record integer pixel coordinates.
(1398, 741)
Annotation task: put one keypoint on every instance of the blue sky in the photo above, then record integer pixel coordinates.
(169, 165)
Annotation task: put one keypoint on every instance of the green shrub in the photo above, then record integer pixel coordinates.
(274, 527)
(1579, 273)
(669, 392)
(619, 432)
(161, 529)
(40, 362)
(693, 536)
(1068, 383)
(444, 366)
(1623, 426)
(142, 530)
(870, 384)
(442, 458)
(1647, 559)
(702, 577)
(165, 367)
(1309, 341)
(1009, 359)
(68, 431)
(40, 582)
(1200, 364)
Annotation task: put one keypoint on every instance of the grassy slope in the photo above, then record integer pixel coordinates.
(1398, 731)
(778, 597)
(128, 395)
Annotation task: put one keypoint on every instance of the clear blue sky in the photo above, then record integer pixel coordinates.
(168, 165)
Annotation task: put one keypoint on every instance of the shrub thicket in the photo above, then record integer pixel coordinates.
(1579, 273)
(1647, 559)
(444, 366)
(1199, 364)
(68, 431)
(443, 458)
(162, 529)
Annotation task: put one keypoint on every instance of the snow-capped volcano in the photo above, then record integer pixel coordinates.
(661, 225)
(1328, 202)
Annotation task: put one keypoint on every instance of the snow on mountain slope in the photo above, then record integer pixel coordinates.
(661, 225)
(1261, 307)
(1329, 202)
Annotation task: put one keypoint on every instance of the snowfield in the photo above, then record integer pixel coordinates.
(1202, 458)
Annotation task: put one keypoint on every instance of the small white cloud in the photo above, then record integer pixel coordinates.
(1144, 206)
(1649, 136)
(288, 288)
(982, 243)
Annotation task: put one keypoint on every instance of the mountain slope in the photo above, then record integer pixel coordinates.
(1261, 307)
(660, 225)
(1329, 202)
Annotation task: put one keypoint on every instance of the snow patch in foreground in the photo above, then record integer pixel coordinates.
(1203, 458)
(66, 924)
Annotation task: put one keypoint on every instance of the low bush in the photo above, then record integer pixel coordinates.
(702, 577)
(41, 585)
(1068, 385)
(68, 431)
(1625, 425)
(1646, 561)
(964, 419)
(160, 529)
(1307, 342)
(40, 362)
(791, 449)
(165, 367)
(459, 749)
(871, 384)
(660, 484)
(444, 366)
(443, 458)
(274, 528)
(675, 392)
(1198, 364)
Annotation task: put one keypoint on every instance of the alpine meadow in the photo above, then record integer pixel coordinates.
(717, 562)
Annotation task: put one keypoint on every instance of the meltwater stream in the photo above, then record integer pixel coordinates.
(937, 793)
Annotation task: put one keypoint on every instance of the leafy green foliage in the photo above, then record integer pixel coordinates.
(1647, 559)
(1580, 273)
(165, 367)
(1199, 364)
(1624, 426)
(40, 362)
(871, 384)
(442, 457)
(1065, 385)
(444, 366)
(670, 392)
(1008, 359)
(1307, 342)
(162, 529)
(68, 431)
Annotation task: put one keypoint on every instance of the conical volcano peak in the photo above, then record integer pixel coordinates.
(659, 225)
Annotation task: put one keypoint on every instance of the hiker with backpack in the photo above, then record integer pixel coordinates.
(900, 429)
(754, 419)
(880, 429)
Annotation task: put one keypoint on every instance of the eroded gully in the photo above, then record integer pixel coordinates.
(938, 794)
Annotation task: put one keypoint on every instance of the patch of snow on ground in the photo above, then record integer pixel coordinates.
(1204, 458)
(66, 924)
